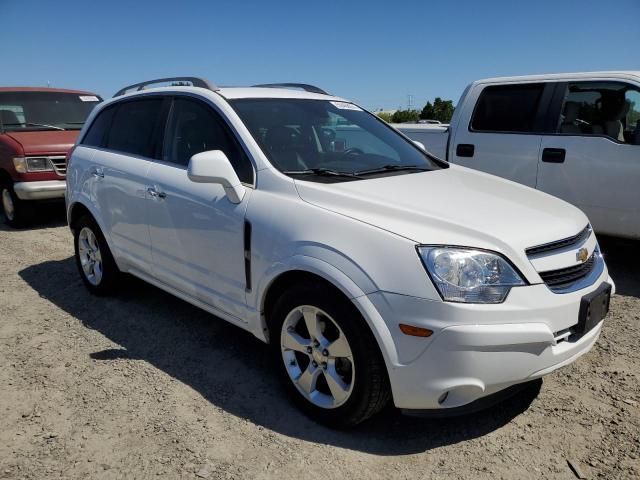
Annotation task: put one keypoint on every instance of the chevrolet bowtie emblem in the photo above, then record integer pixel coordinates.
(582, 255)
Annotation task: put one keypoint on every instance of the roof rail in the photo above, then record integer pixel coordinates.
(304, 86)
(195, 81)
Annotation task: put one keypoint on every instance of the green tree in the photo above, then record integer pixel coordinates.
(386, 116)
(427, 112)
(402, 116)
(440, 110)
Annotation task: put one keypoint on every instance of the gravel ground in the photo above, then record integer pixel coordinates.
(144, 385)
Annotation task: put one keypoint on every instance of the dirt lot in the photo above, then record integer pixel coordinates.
(146, 386)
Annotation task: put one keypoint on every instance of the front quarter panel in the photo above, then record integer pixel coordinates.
(292, 235)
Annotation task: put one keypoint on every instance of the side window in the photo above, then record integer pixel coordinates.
(194, 127)
(507, 108)
(610, 109)
(133, 126)
(632, 122)
(96, 134)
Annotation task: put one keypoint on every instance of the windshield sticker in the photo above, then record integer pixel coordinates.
(346, 106)
(89, 98)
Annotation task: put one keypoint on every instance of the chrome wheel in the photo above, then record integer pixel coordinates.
(90, 256)
(7, 204)
(317, 356)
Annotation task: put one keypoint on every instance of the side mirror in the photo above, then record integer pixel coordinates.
(214, 167)
(420, 145)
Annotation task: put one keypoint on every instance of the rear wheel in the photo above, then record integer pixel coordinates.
(327, 357)
(17, 213)
(95, 263)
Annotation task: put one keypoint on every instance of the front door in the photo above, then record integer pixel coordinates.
(196, 232)
(593, 159)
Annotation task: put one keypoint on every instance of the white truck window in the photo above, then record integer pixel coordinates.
(608, 109)
(507, 108)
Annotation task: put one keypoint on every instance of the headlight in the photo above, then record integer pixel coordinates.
(38, 164)
(469, 276)
(32, 164)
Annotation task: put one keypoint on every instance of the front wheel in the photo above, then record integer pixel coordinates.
(327, 357)
(17, 213)
(95, 263)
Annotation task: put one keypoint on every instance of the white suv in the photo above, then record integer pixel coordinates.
(374, 270)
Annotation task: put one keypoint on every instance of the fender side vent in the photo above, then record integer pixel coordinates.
(247, 254)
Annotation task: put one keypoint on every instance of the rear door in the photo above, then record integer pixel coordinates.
(592, 159)
(120, 177)
(500, 130)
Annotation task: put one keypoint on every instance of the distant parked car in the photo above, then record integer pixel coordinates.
(575, 136)
(375, 271)
(38, 126)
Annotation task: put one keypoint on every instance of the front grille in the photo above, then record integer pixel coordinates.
(560, 244)
(565, 277)
(59, 165)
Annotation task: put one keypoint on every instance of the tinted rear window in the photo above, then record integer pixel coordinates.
(507, 108)
(96, 135)
(133, 126)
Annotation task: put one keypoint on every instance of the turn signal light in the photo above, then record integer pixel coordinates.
(415, 331)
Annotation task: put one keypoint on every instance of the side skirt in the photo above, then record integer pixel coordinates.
(193, 301)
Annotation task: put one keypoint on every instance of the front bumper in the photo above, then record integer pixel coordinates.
(40, 190)
(478, 350)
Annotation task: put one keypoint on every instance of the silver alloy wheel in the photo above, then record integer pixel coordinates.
(317, 356)
(7, 204)
(90, 256)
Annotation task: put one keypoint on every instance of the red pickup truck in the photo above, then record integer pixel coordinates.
(38, 126)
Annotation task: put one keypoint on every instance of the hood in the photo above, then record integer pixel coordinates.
(452, 206)
(48, 142)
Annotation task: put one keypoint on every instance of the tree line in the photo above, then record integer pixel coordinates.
(440, 110)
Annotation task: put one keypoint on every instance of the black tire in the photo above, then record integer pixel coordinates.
(371, 391)
(23, 211)
(109, 270)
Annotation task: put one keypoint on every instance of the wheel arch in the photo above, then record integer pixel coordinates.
(315, 270)
(77, 210)
(5, 176)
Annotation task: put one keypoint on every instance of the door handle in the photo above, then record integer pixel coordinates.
(98, 173)
(155, 193)
(465, 150)
(553, 155)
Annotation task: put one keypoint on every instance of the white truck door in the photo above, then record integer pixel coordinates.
(500, 129)
(593, 158)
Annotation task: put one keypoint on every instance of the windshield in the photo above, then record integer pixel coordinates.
(329, 141)
(25, 111)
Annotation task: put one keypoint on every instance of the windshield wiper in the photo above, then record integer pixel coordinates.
(322, 172)
(392, 168)
(32, 124)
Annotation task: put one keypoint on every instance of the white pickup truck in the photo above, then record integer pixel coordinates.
(575, 136)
